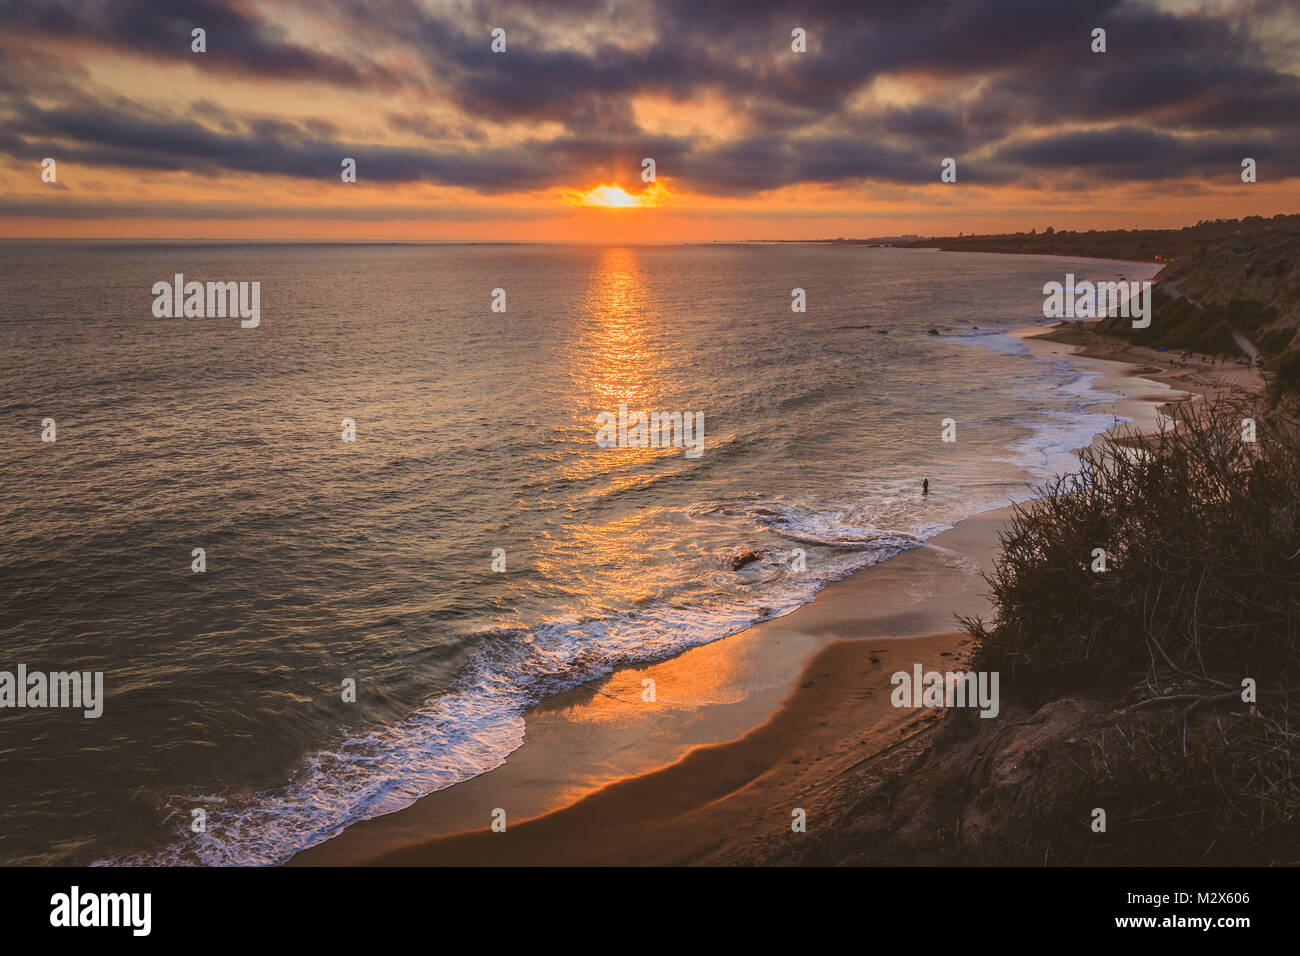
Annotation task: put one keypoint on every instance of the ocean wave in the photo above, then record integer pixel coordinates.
(995, 340)
(813, 526)
(472, 727)
(1055, 434)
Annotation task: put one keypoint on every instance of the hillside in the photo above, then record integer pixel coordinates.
(1137, 245)
(1231, 287)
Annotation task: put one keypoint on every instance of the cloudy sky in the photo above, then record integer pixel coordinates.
(546, 140)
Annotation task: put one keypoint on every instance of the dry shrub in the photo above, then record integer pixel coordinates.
(1202, 583)
(1201, 591)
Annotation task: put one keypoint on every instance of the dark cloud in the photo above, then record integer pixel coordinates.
(1018, 96)
(237, 42)
(102, 135)
(1126, 153)
(926, 124)
(1194, 73)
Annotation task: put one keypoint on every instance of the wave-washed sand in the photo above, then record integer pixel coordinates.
(744, 731)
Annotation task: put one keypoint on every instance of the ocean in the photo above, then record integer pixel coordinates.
(474, 550)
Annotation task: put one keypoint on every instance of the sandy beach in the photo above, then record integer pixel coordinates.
(1195, 375)
(713, 697)
(747, 730)
(747, 723)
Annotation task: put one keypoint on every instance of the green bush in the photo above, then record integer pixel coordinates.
(1217, 339)
(1202, 588)
(1275, 341)
(1287, 367)
(1201, 591)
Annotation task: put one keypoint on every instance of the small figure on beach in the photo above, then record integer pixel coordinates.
(925, 487)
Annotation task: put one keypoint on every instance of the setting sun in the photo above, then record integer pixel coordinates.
(616, 197)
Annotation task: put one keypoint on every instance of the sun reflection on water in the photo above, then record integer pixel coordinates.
(614, 358)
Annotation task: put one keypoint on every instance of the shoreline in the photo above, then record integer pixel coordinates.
(742, 700)
(590, 738)
(598, 764)
(1163, 263)
(1190, 375)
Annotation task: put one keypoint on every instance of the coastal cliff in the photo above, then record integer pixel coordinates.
(1230, 289)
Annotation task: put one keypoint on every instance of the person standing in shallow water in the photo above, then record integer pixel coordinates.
(925, 487)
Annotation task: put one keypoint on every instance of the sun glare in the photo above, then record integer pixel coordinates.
(613, 196)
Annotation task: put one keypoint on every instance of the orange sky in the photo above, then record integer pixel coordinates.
(751, 139)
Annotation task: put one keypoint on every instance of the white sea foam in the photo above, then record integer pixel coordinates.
(473, 727)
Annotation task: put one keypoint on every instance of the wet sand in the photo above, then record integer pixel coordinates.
(1195, 375)
(587, 739)
(727, 803)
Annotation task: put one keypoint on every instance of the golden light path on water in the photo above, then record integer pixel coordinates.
(613, 359)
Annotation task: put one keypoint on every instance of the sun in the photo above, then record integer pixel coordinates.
(614, 196)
